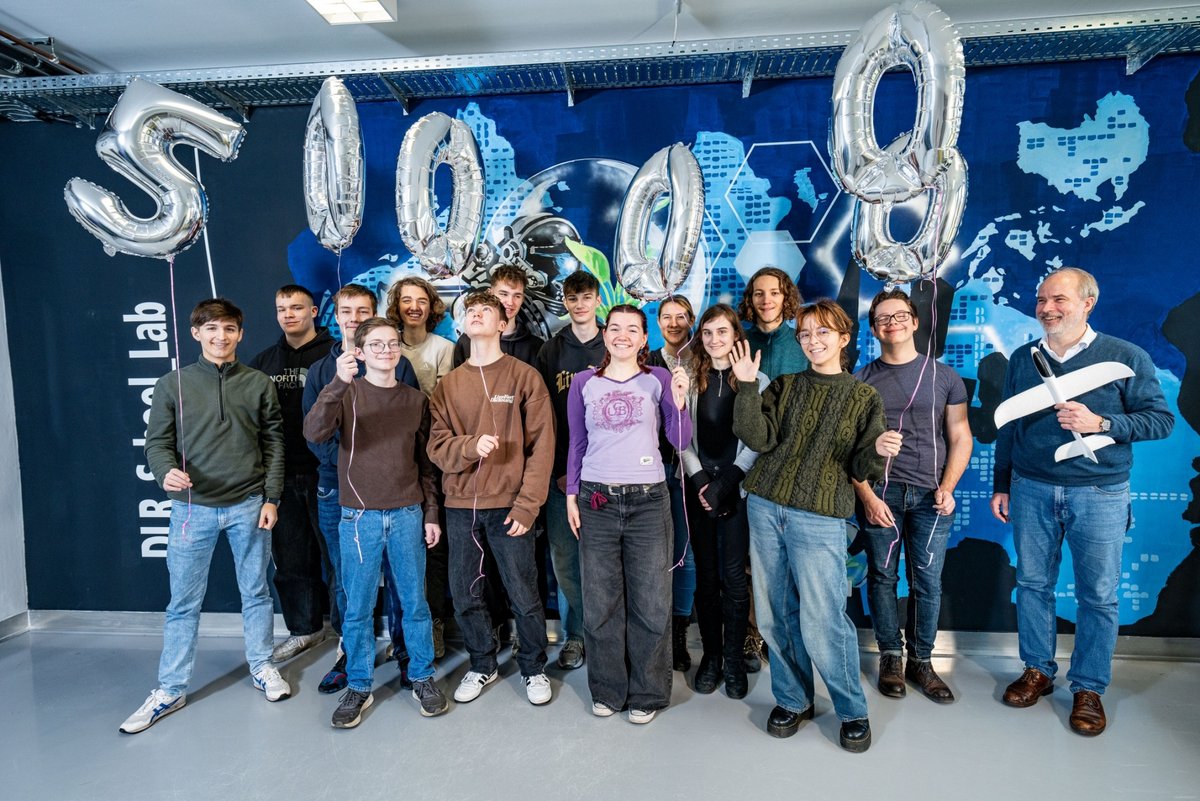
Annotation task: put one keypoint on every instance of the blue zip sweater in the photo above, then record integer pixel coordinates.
(1135, 406)
(781, 353)
(319, 376)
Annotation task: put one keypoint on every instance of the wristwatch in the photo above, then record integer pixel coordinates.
(1105, 425)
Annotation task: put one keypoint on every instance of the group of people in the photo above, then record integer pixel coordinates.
(715, 475)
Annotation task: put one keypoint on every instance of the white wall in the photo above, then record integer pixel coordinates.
(14, 594)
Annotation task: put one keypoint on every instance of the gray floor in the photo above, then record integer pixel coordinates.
(64, 695)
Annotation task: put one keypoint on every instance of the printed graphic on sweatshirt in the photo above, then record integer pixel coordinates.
(619, 410)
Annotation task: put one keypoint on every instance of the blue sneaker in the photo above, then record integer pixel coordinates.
(335, 680)
(158, 705)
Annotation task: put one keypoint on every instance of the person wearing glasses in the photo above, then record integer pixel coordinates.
(913, 507)
(388, 491)
(814, 432)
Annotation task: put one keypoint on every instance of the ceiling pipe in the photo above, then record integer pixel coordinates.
(45, 62)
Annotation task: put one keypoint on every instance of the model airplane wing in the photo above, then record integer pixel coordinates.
(1071, 385)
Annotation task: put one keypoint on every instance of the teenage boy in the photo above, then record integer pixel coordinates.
(577, 347)
(297, 546)
(388, 488)
(353, 305)
(771, 301)
(917, 510)
(492, 435)
(509, 284)
(221, 463)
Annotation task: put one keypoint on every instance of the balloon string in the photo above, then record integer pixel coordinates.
(933, 420)
(687, 525)
(350, 464)
(212, 281)
(179, 392)
(487, 399)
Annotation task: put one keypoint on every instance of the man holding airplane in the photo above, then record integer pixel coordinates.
(1103, 391)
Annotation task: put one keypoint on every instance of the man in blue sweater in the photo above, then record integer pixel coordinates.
(1084, 502)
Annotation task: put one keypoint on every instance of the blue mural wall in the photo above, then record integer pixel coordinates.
(1069, 164)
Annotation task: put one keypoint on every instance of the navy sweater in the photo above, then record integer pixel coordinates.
(1135, 406)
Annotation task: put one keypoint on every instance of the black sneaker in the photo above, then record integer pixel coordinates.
(349, 711)
(433, 700)
(335, 679)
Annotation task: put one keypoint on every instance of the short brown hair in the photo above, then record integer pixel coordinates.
(355, 291)
(890, 294)
(832, 316)
(213, 309)
(369, 325)
(479, 298)
(791, 295)
(510, 274)
(437, 308)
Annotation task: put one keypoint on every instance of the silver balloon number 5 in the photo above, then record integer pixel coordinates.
(433, 140)
(139, 134)
(673, 171)
(333, 166)
(919, 36)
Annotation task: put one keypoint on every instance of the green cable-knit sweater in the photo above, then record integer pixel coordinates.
(814, 433)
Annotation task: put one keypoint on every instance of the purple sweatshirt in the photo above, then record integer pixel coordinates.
(614, 428)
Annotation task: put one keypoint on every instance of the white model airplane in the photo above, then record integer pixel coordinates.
(1059, 389)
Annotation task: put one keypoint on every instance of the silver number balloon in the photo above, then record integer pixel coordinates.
(333, 166)
(433, 140)
(893, 262)
(920, 36)
(147, 122)
(675, 171)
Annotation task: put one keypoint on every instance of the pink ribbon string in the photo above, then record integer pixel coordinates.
(179, 391)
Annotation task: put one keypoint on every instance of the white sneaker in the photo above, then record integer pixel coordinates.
(602, 711)
(158, 705)
(472, 685)
(270, 682)
(642, 715)
(537, 689)
(295, 645)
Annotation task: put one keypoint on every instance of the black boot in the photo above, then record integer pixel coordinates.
(679, 652)
(708, 675)
(736, 685)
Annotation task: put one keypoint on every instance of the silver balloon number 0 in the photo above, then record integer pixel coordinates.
(673, 171)
(139, 134)
(333, 166)
(920, 36)
(433, 140)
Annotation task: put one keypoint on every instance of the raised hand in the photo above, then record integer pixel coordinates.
(745, 367)
(347, 367)
(680, 383)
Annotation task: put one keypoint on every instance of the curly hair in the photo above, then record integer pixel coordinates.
(832, 316)
(700, 363)
(791, 295)
(437, 308)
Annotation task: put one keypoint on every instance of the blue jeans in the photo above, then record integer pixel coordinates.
(799, 563)
(329, 513)
(189, 554)
(683, 578)
(564, 554)
(624, 553)
(1093, 521)
(365, 534)
(923, 534)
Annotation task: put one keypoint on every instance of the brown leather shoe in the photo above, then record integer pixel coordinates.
(1026, 690)
(1087, 714)
(923, 675)
(891, 675)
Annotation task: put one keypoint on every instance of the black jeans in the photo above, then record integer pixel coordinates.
(516, 563)
(722, 550)
(299, 553)
(624, 564)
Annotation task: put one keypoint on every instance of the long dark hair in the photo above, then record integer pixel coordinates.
(625, 308)
(700, 363)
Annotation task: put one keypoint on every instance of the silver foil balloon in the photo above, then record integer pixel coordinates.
(139, 134)
(433, 140)
(893, 262)
(333, 166)
(919, 36)
(674, 171)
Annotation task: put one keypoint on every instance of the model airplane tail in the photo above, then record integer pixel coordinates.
(1085, 446)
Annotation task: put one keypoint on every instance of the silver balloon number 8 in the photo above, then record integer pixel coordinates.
(672, 171)
(139, 134)
(433, 140)
(919, 36)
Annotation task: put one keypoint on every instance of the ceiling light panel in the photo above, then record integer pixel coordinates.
(355, 12)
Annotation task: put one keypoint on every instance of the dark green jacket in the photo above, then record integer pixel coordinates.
(230, 431)
(814, 433)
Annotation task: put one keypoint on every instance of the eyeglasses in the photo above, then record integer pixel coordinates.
(820, 333)
(898, 317)
(383, 347)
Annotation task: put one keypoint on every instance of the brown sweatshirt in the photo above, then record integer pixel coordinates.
(383, 434)
(509, 399)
